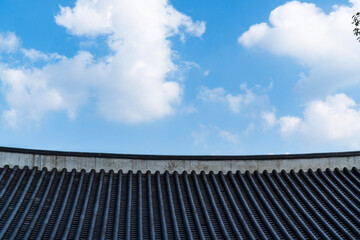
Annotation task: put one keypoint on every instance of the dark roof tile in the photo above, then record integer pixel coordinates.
(279, 205)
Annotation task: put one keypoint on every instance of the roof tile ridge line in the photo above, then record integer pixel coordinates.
(180, 157)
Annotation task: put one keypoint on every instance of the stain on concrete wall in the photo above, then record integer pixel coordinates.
(88, 163)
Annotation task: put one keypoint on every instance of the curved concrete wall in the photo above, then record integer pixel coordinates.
(60, 160)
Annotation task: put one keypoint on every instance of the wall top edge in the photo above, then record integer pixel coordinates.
(181, 157)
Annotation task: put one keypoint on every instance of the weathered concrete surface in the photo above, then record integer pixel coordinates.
(115, 164)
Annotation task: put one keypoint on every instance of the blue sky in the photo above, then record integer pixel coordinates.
(179, 77)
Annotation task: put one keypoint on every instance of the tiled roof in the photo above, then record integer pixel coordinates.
(277, 205)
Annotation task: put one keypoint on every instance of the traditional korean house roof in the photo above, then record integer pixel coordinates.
(42, 203)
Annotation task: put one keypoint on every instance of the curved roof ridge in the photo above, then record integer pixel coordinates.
(180, 157)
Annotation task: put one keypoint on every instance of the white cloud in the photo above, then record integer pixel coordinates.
(230, 137)
(129, 85)
(189, 109)
(212, 139)
(35, 55)
(212, 95)
(335, 120)
(249, 130)
(201, 136)
(254, 35)
(269, 119)
(323, 43)
(11, 118)
(87, 17)
(235, 102)
(31, 93)
(289, 125)
(8, 42)
(20, 91)
(136, 20)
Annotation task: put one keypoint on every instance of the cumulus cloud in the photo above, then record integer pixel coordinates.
(269, 119)
(87, 17)
(31, 93)
(131, 84)
(235, 102)
(323, 43)
(9, 42)
(333, 120)
(127, 20)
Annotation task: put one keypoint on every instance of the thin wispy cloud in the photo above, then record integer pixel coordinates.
(246, 99)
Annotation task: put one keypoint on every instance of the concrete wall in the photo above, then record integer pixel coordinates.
(88, 163)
